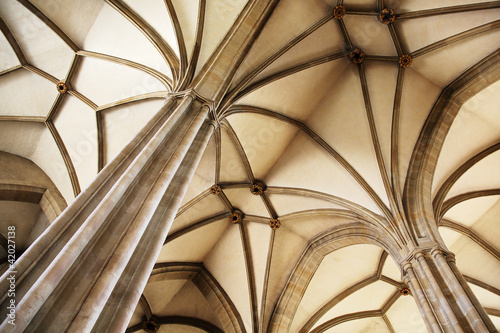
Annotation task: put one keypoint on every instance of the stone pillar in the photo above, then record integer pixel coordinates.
(87, 271)
(443, 297)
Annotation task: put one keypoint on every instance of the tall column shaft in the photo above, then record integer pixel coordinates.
(89, 268)
(113, 229)
(438, 289)
(122, 303)
(423, 303)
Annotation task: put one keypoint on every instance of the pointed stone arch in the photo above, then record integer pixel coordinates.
(417, 191)
(213, 292)
(353, 233)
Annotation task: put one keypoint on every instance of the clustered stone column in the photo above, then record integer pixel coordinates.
(443, 297)
(87, 271)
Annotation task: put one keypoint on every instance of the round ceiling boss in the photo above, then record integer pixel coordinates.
(150, 326)
(274, 224)
(405, 291)
(215, 189)
(386, 16)
(339, 12)
(236, 217)
(405, 60)
(356, 56)
(257, 189)
(62, 87)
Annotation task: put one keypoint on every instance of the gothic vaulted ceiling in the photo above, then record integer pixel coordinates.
(329, 143)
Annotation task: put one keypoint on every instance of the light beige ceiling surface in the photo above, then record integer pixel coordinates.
(7, 55)
(318, 130)
(227, 264)
(75, 21)
(44, 49)
(113, 34)
(41, 91)
(187, 21)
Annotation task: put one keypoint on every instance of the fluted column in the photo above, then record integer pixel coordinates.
(423, 303)
(87, 271)
(94, 260)
(443, 297)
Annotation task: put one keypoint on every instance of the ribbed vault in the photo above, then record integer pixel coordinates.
(324, 129)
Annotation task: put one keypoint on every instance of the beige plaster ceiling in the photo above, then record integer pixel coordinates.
(295, 117)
